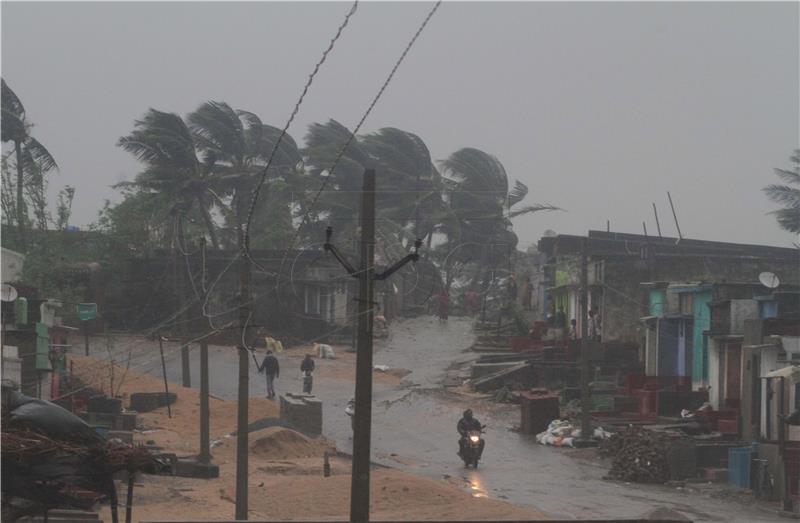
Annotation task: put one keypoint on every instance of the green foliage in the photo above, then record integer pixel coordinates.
(64, 209)
(787, 195)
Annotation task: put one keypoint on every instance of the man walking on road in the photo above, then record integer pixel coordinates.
(307, 367)
(271, 370)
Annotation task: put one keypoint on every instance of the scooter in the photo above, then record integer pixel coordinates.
(473, 448)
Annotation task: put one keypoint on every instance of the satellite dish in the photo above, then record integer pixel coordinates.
(769, 280)
(8, 293)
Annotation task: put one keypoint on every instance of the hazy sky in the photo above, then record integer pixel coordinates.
(599, 107)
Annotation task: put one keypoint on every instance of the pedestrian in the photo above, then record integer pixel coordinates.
(271, 370)
(307, 369)
(573, 329)
(527, 293)
(512, 288)
(444, 305)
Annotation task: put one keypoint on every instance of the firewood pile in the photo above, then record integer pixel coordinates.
(639, 455)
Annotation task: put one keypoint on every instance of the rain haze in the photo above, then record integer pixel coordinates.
(410, 308)
(599, 108)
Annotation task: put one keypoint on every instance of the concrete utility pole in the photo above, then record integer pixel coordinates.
(359, 486)
(244, 383)
(205, 452)
(362, 423)
(586, 426)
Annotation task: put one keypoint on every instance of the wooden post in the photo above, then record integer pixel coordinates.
(585, 345)
(164, 371)
(129, 499)
(359, 491)
(658, 225)
(205, 453)
(86, 336)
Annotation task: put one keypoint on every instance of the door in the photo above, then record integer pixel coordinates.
(733, 374)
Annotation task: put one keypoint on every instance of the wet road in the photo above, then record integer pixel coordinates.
(414, 430)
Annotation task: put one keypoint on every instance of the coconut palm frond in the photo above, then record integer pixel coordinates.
(39, 154)
(517, 194)
(533, 208)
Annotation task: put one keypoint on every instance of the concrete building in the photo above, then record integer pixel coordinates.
(619, 263)
(12, 263)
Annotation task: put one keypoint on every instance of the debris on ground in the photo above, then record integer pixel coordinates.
(639, 455)
(562, 433)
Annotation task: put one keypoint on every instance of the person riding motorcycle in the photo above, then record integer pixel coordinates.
(466, 424)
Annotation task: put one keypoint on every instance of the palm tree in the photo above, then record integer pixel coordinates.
(238, 145)
(30, 156)
(477, 190)
(787, 196)
(164, 143)
(409, 188)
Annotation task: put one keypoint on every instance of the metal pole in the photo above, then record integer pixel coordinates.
(164, 372)
(86, 336)
(186, 375)
(359, 490)
(244, 383)
(585, 345)
(674, 216)
(658, 226)
(644, 226)
(205, 454)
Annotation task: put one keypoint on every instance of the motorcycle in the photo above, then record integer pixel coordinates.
(473, 448)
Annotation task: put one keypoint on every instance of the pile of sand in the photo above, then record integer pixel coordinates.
(282, 443)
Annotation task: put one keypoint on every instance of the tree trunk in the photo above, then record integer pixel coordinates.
(209, 223)
(21, 214)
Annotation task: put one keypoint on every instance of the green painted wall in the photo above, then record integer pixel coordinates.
(658, 299)
(702, 322)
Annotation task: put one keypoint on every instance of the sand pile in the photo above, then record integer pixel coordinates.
(282, 443)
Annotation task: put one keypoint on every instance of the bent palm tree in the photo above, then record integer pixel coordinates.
(238, 144)
(477, 189)
(30, 156)
(163, 142)
(787, 196)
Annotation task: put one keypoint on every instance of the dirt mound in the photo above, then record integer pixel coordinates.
(277, 443)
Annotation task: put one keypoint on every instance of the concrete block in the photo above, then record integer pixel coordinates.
(104, 404)
(190, 468)
(148, 401)
(301, 412)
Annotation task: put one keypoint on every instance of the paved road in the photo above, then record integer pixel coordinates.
(414, 429)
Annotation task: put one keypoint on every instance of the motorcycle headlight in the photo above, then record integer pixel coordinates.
(474, 439)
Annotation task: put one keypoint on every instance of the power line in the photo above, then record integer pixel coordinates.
(275, 147)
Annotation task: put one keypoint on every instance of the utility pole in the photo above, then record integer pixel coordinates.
(164, 372)
(362, 423)
(244, 381)
(186, 379)
(205, 453)
(359, 486)
(586, 426)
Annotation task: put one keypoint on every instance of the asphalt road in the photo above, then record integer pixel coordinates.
(414, 430)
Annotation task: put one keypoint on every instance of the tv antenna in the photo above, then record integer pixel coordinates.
(8, 293)
(769, 280)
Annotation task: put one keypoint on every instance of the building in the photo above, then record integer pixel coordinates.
(618, 263)
(12, 263)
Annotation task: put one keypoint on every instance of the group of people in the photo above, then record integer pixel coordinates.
(594, 326)
(272, 370)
